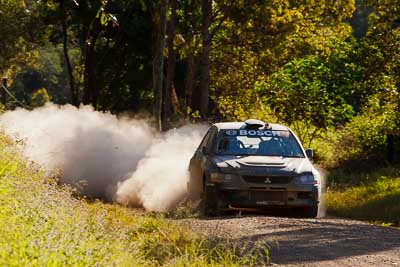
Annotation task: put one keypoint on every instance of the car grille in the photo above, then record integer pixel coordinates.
(268, 179)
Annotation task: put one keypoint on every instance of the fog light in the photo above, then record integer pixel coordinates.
(306, 179)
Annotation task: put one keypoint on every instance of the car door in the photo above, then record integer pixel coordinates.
(208, 152)
(201, 162)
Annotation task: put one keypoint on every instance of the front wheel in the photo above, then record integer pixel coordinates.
(211, 204)
(311, 212)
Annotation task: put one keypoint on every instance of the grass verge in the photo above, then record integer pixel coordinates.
(43, 225)
(372, 197)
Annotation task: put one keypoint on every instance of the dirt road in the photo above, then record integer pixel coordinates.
(309, 242)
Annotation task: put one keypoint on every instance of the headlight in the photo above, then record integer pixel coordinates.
(306, 179)
(215, 177)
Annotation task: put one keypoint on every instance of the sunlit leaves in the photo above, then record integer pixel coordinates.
(260, 38)
(309, 89)
(18, 31)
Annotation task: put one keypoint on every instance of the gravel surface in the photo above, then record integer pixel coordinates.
(308, 242)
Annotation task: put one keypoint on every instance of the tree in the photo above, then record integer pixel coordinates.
(206, 8)
(74, 96)
(171, 61)
(109, 46)
(160, 21)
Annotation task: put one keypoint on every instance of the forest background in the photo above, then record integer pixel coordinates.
(328, 69)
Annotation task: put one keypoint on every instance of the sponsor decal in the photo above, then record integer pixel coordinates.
(231, 132)
(267, 133)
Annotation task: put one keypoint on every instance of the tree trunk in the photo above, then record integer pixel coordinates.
(84, 58)
(4, 82)
(205, 62)
(189, 80)
(89, 93)
(169, 80)
(90, 77)
(158, 60)
(74, 97)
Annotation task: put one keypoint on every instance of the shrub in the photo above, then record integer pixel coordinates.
(362, 138)
(39, 98)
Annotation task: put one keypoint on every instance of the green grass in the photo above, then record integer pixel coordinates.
(42, 224)
(372, 197)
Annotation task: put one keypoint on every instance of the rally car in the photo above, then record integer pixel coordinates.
(253, 164)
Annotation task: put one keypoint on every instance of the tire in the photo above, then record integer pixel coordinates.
(311, 212)
(211, 204)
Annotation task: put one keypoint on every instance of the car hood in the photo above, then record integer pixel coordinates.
(264, 164)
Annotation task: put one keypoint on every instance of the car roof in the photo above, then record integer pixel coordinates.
(242, 125)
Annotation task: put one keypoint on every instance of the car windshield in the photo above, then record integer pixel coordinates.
(258, 143)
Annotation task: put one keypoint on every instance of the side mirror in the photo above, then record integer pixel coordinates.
(309, 153)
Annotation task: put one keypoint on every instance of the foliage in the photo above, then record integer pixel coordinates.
(42, 225)
(259, 38)
(40, 98)
(313, 92)
(362, 137)
(20, 32)
(292, 62)
(381, 47)
(369, 127)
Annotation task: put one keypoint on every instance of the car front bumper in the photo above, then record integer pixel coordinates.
(303, 196)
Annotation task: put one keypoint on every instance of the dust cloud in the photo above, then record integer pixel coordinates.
(322, 207)
(162, 175)
(121, 159)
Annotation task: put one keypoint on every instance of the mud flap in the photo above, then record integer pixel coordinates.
(194, 186)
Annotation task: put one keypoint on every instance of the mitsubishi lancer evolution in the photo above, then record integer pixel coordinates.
(253, 165)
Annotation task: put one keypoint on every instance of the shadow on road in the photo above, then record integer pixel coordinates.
(295, 240)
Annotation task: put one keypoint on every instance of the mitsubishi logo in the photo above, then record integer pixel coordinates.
(267, 181)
